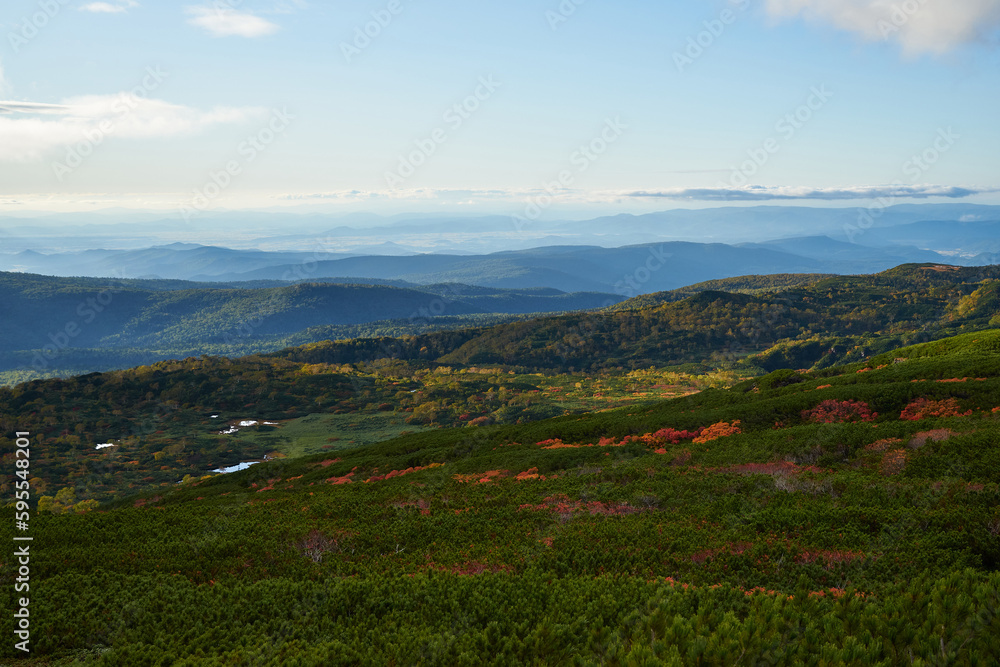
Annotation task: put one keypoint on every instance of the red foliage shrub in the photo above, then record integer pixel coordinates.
(400, 473)
(835, 412)
(669, 436)
(480, 478)
(923, 408)
(346, 479)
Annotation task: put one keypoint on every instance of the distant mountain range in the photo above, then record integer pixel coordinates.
(302, 231)
(627, 271)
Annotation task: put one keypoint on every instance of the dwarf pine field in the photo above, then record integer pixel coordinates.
(841, 516)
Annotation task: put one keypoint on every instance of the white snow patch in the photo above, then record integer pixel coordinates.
(236, 468)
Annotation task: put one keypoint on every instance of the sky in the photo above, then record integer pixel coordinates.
(530, 107)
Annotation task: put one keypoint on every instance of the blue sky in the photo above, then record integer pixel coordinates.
(489, 107)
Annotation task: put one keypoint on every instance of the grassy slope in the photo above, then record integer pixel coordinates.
(791, 542)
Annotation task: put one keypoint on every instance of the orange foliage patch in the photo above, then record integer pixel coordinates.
(718, 430)
(480, 478)
(400, 473)
(922, 408)
(346, 479)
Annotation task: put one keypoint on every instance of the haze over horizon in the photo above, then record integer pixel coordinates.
(547, 110)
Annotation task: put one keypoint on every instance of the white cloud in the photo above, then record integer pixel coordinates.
(109, 7)
(769, 193)
(32, 107)
(722, 194)
(227, 22)
(919, 26)
(31, 131)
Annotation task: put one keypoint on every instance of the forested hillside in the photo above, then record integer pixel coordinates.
(833, 320)
(49, 324)
(759, 322)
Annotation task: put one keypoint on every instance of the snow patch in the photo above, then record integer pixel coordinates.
(236, 468)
